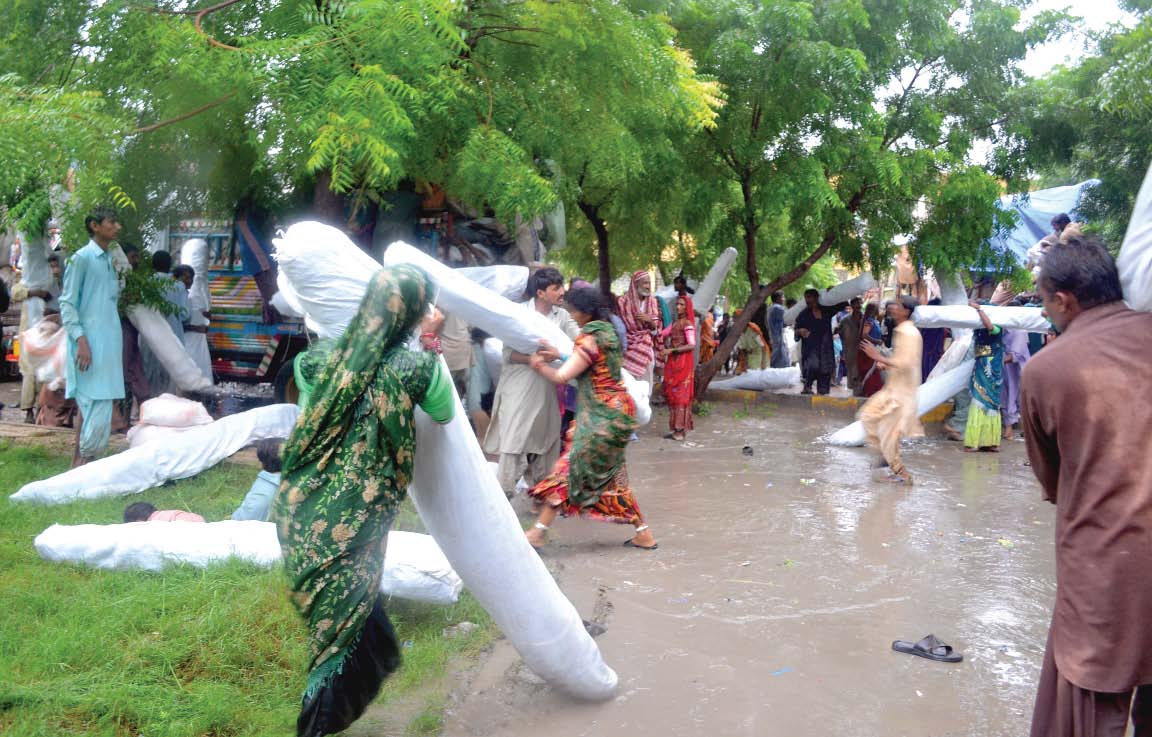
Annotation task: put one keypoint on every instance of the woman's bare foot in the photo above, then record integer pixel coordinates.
(678, 436)
(535, 537)
(971, 450)
(952, 434)
(990, 449)
(1008, 434)
(643, 539)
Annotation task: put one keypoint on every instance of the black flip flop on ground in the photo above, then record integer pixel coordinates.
(630, 544)
(930, 647)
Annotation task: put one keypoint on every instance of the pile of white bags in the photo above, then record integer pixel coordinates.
(761, 379)
(151, 464)
(45, 345)
(414, 566)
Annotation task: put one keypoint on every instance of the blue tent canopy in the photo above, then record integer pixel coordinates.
(1034, 214)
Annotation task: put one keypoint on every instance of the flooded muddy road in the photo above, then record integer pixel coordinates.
(781, 581)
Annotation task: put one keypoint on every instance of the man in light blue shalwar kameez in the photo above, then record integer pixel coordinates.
(94, 367)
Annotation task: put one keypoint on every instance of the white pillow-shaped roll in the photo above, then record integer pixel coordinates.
(149, 465)
(709, 288)
(168, 349)
(464, 508)
(833, 296)
(414, 566)
(507, 281)
(761, 379)
(929, 396)
(1135, 260)
(1030, 319)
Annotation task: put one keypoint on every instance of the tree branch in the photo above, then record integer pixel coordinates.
(190, 114)
(212, 9)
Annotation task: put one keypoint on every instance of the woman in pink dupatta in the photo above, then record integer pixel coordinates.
(641, 316)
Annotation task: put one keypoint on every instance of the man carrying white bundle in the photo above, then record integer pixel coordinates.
(525, 427)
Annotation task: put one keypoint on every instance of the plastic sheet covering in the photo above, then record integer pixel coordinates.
(45, 347)
(283, 307)
(507, 281)
(323, 275)
(833, 296)
(1135, 260)
(952, 291)
(194, 253)
(956, 354)
(520, 328)
(464, 508)
(139, 434)
(168, 349)
(761, 379)
(494, 358)
(414, 566)
(708, 290)
(932, 394)
(1030, 319)
(146, 466)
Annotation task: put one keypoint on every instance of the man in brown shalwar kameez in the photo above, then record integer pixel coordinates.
(1086, 418)
(891, 414)
(849, 329)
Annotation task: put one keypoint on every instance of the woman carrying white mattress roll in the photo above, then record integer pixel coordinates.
(346, 468)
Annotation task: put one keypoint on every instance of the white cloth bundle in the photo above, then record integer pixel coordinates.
(1030, 319)
(956, 354)
(761, 379)
(46, 349)
(168, 410)
(520, 329)
(929, 396)
(146, 466)
(1135, 260)
(141, 434)
(833, 296)
(194, 253)
(507, 281)
(323, 275)
(494, 358)
(464, 508)
(708, 290)
(168, 349)
(414, 566)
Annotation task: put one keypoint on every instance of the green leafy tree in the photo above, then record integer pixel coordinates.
(841, 118)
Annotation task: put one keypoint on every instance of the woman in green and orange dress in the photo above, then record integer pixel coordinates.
(345, 471)
(590, 479)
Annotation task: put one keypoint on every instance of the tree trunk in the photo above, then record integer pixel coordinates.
(603, 259)
(706, 371)
(326, 204)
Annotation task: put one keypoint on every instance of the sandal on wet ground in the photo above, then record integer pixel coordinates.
(630, 544)
(930, 647)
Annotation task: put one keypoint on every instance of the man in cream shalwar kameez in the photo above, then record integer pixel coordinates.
(891, 413)
(525, 427)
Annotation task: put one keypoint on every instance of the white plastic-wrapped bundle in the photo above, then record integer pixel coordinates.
(168, 349)
(280, 302)
(507, 281)
(146, 466)
(323, 275)
(141, 434)
(464, 508)
(708, 290)
(494, 358)
(833, 296)
(35, 273)
(1030, 319)
(194, 253)
(956, 354)
(45, 346)
(168, 410)
(952, 291)
(520, 328)
(761, 379)
(929, 396)
(414, 566)
(1135, 260)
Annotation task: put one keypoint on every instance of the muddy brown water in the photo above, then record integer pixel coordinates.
(780, 583)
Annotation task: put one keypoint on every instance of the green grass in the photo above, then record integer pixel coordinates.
(183, 653)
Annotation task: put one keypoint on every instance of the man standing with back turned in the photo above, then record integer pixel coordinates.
(1086, 421)
(94, 368)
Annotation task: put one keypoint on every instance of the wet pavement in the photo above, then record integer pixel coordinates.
(780, 583)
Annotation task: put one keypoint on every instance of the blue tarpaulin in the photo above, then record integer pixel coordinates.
(1034, 214)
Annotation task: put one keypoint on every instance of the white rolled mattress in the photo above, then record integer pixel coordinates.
(1030, 319)
(761, 379)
